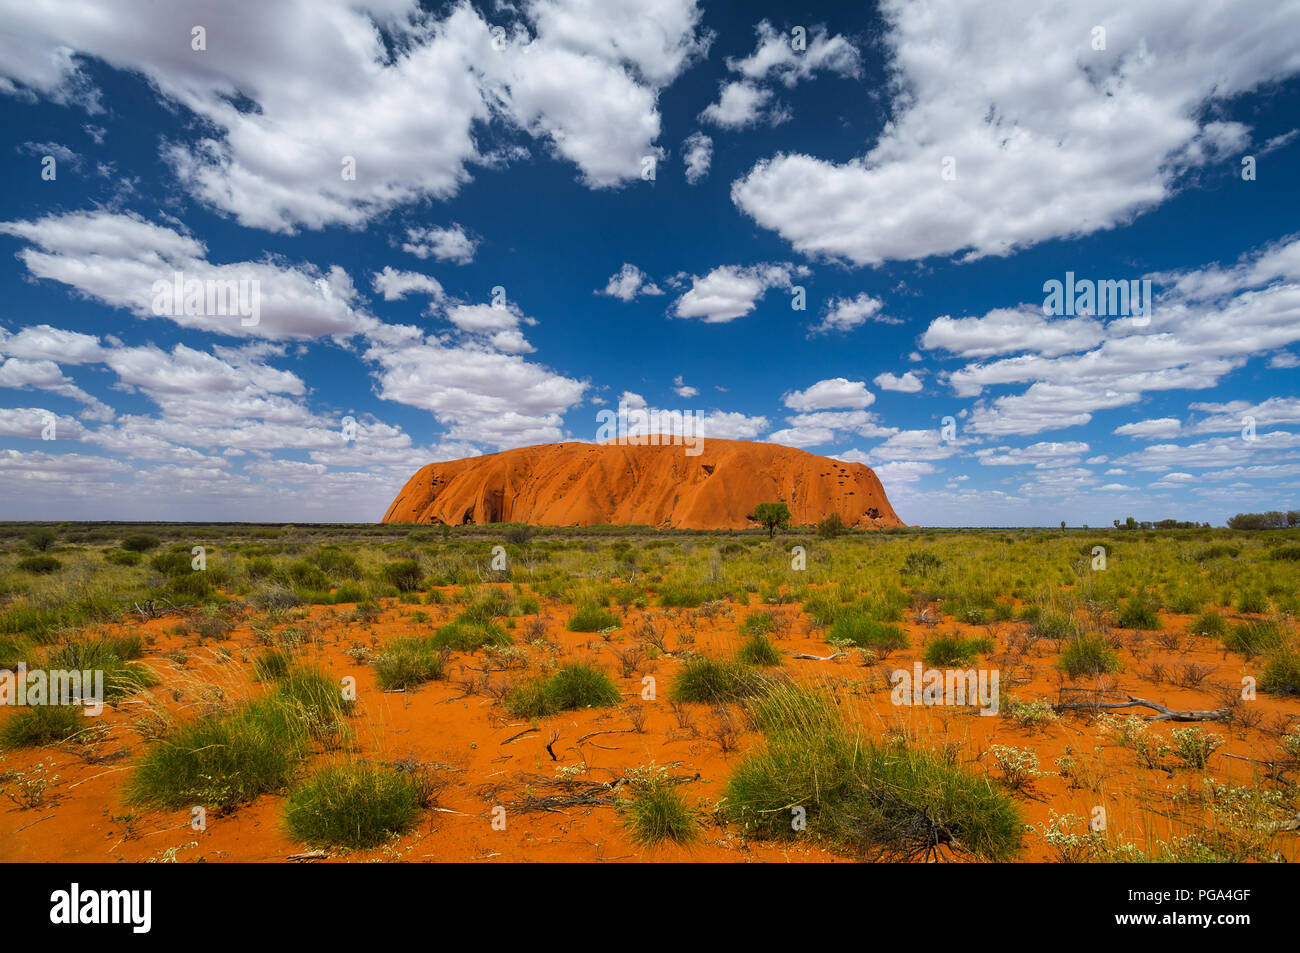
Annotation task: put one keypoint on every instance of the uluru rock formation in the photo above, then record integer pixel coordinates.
(589, 484)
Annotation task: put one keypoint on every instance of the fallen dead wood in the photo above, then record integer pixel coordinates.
(609, 731)
(308, 855)
(818, 658)
(526, 731)
(1164, 713)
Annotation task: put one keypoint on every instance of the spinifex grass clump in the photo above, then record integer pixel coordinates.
(1208, 624)
(759, 650)
(409, 661)
(685, 595)
(465, 636)
(224, 760)
(1138, 614)
(354, 805)
(121, 677)
(38, 564)
(272, 665)
(952, 649)
(591, 619)
(402, 574)
(1255, 638)
(1088, 655)
(567, 688)
(715, 680)
(866, 631)
(656, 811)
(759, 623)
(881, 801)
(1281, 675)
(41, 725)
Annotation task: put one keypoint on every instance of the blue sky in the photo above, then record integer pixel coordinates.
(915, 173)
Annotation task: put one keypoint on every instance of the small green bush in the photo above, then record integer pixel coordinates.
(39, 564)
(952, 649)
(404, 574)
(867, 632)
(573, 686)
(715, 680)
(1088, 655)
(41, 725)
(759, 650)
(656, 812)
(354, 806)
(1138, 614)
(1255, 638)
(469, 636)
(409, 661)
(591, 619)
(1209, 624)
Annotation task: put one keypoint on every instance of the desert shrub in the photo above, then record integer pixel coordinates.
(1281, 674)
(831, 526)
(174, 562)
(272, 665)
(867, 632)
(567, 688)
(945, 650)
(1194, 747)
(656, 812)
(880, 801)
(1088, 655)
(404, 574)
(337, 563)
(38, 564)
(121, 677)
(259, 567)
(409, 661)
(1185, 602)
(821, 609)
(1208, 624)
(122, 557)
(41, 539)
(1255, 638)
(1290, 553)
(1217, 551)
(192, 585)
(14, 649)
(1252, 600)
(759, 650)
(140, 543)
(274, 598)
(354, 805)
(1138, 614)
(484, 609)
(304, 575)
(37, 725)
(591, 619)
(682, 595)
(759, 623)
(227, 759)
(920, 563)
(714, 680)
(469, 636)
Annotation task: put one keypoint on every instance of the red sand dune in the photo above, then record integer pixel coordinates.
(585, 484)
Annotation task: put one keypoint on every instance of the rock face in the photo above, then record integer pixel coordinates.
(586, 484)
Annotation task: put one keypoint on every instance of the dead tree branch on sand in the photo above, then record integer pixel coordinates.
(1163, 713)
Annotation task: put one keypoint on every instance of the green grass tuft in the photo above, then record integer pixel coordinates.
(354, 806)
(567, 688)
